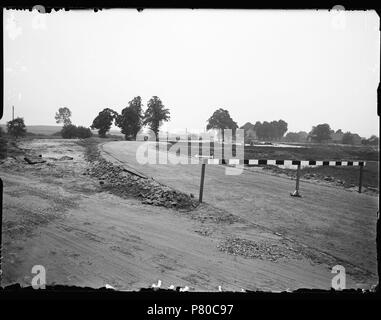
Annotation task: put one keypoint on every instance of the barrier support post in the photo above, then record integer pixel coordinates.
(360, 182)
(202, 182)
(296, 192)
(189, 149)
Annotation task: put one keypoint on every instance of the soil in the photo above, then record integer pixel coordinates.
(57, 214)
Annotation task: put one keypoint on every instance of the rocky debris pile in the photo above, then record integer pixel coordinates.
(258, 250)
(310, 176)
(10, 162)
(34, 160)
(119, 181)
(209, 213)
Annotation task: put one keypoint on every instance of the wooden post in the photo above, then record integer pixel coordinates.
(202, 182)
(296, 192)
(189, 149)
(360, 182)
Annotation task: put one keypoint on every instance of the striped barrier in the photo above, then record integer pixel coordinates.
(254, 162)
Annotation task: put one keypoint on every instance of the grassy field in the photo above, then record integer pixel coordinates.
(349, 175)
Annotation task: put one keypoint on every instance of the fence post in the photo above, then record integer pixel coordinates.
(360, 182)
(202, 182)
(189, 149)
(296, 192)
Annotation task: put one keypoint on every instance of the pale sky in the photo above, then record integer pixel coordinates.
(305, 67)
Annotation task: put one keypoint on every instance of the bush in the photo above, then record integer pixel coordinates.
(16, 127)
(83, 132)
(71, 131)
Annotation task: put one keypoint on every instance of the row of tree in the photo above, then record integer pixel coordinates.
(324, 133)
(273, 130)
(132, 119)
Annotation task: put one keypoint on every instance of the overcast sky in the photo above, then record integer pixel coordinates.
(305, 67)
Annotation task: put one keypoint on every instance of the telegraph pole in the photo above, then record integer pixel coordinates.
(13, 113)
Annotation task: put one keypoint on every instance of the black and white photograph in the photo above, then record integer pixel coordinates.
(191, 150)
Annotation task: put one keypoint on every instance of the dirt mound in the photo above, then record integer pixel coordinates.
(122, 183)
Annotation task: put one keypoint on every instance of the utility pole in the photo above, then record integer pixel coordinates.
(13, 113)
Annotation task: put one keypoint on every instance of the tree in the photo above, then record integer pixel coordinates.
(300, 136)
(63, 116)
(16, 127)
(83, 132)
(155, 114)
(221, 119)
(273, 130)
(321, 132)
(104, 121)
(131, 119)
(373, 140)
(348, 138)
(282, 128)
(71, 131)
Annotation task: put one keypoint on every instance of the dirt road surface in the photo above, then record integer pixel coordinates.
(339, 224)
(58, 217)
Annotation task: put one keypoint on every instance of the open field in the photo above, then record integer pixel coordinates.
(348, 175)
(337, 218)
(59, 215)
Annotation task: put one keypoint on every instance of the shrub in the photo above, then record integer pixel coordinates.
(83, 132)
(71, 131)
(16, 127)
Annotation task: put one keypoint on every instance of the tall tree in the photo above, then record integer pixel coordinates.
(155, 115)
(321, 132)
(16, 127)
(63, 116)
(221, 119)
(103, 121)
(348, 138)
(282, 128)
(131, 119)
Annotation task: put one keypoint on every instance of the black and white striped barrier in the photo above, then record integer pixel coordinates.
(298, 163)
(255, 162)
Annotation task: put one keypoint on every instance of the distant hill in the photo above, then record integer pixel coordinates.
(49, 130)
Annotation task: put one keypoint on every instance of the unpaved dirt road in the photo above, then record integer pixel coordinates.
(339, 224)
(56, 216)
